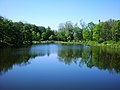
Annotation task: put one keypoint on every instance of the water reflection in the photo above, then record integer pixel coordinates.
(102, 58)
(10, 57)
(105, 58)
(70, 53)
(99, 57)
(21, 56)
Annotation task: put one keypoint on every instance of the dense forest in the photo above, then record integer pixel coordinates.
(19, 33)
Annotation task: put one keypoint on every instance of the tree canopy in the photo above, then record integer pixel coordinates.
(19, 33)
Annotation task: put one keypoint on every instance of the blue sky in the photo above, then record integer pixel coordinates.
(52, 12)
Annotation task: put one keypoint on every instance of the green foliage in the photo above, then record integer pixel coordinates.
(88, 31)
(69, 32)
(38, 36)
(51, 37)
(86, 35)
(44, 36)
(116, 31)
(96, 32)
(34, 36)
(18, 33)
(77, 33)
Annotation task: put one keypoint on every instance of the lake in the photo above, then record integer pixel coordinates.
(59, 67)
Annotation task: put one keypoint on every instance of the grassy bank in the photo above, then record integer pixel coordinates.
(61, 42)
(42, 42)
(56, 42)
(109, 44)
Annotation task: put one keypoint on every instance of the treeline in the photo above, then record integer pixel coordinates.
(19, 33)
(103, 31)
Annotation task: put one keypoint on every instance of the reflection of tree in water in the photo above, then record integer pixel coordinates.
(106, 58)
(21, 56)
(87, 56)
(12, 56)
(102, 58)
(69, 53)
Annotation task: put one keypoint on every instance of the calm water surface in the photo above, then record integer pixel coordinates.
(59, 67)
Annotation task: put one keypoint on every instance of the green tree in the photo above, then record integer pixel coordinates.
(34, 35)
(27, 34)
(77, 33)
(44, 36)
(90, 28)
(69, 30)
(38, 36)
(86, 34)
(116, 31)
(51, 37)
(96, 32)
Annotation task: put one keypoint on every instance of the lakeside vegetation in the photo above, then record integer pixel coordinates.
(17, 34)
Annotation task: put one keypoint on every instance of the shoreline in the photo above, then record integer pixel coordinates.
(108, 44)
(88, 43)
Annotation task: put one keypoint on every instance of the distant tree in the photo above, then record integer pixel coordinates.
(90, 28)
(69, 30)
(27, 34)
(96, 32)
(51, 37)
(44, 36)
(86, 34)
(116, 31)
(34, 36)
(38, 36)
(19, 33)
(77, 33)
